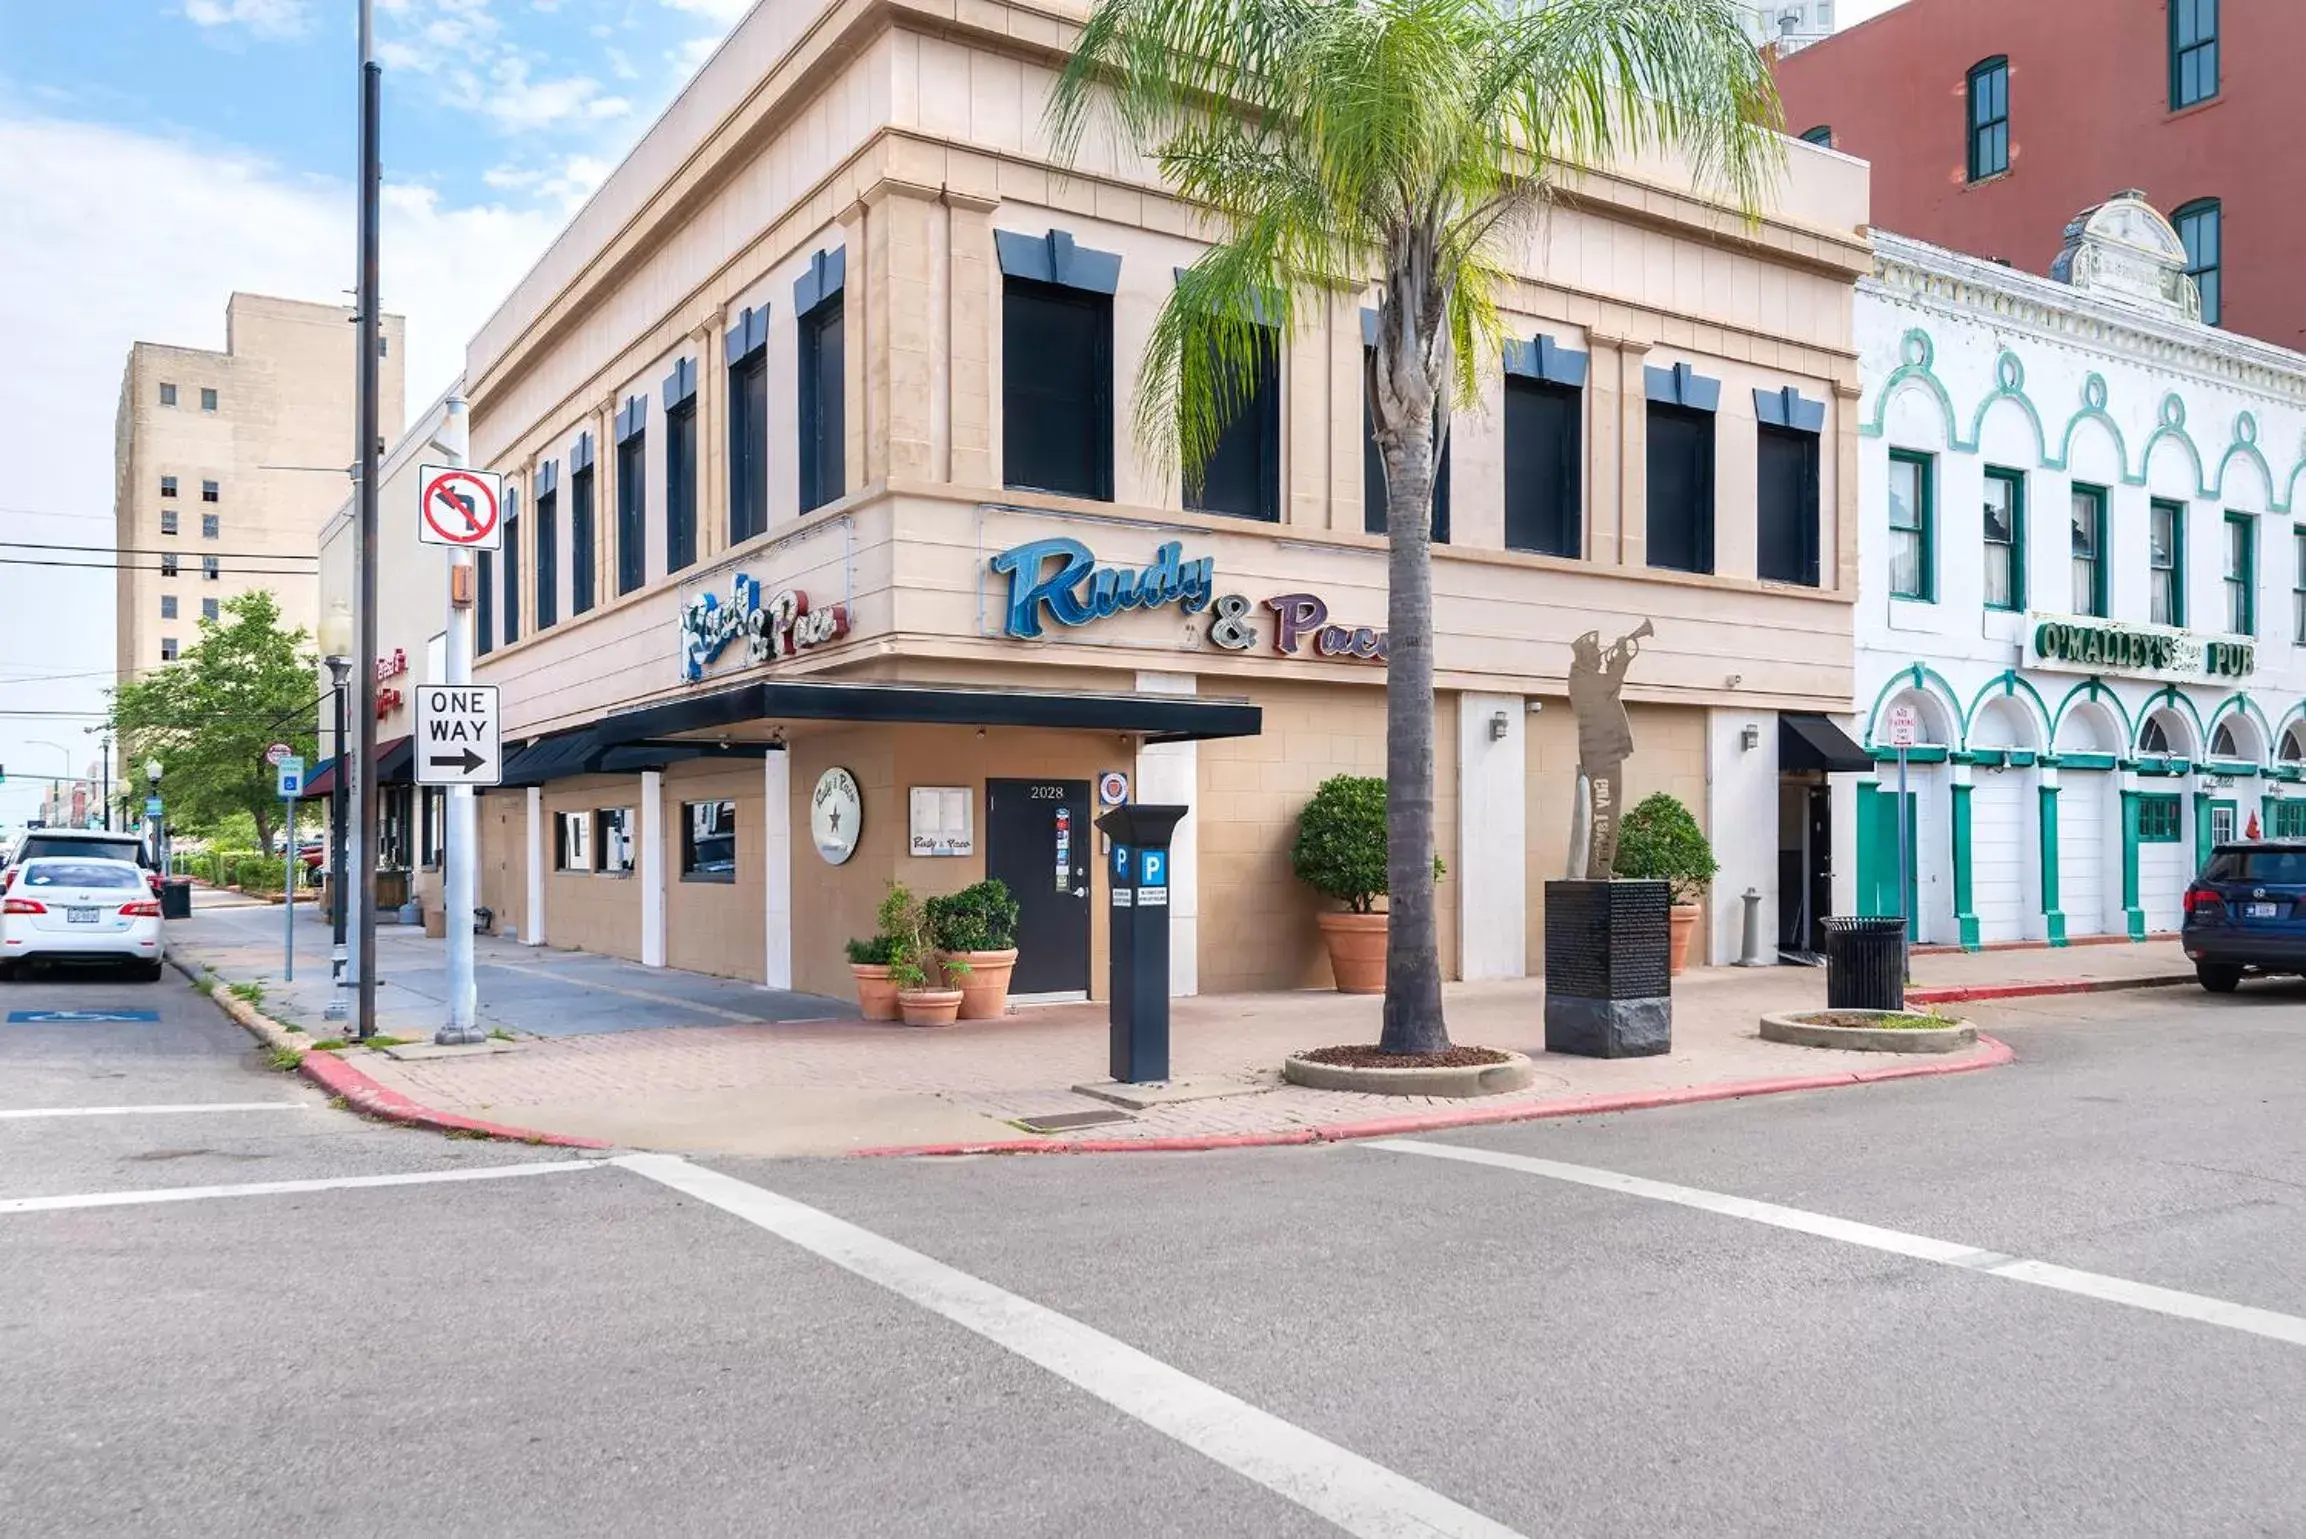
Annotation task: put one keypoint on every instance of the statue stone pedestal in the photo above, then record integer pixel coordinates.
(1608, 969)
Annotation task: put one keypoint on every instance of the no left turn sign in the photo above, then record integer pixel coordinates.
(459, 507)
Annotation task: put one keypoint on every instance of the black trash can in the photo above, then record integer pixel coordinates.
(176, 898)
(1865, 963)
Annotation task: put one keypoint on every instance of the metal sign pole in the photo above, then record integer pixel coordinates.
(362, 863)
(1905, 914)
(288, 890)
(459, 859)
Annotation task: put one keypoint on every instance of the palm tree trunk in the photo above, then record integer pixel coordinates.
(1413, 1020)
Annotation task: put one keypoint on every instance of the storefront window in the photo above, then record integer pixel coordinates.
(613, 837)
(2158, 820)
(394, 812)
(572, 841)
(708, 841)
(432, 837)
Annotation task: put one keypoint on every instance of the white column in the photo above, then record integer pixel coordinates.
(1741, 821)
(532, 922)
(777, 870)
(1492, 845)
(460, 860)
(652, 868)
(1170, 773)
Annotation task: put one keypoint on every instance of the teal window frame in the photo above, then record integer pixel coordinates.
(1822, 134)
(1925, 503)
(2015, 481)
(2160, 818)
(2193, 52)
(2286, 817)
(2175, 610)
(2201, 227)
(1989, 117)
(2298, 587)
(2242, 585)
(2096, 497)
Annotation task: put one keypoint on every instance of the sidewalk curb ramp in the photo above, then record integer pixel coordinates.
(362, 1094)
(1992, 1054)
(1955, 994)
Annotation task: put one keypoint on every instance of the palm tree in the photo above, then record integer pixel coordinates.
(1416, 142)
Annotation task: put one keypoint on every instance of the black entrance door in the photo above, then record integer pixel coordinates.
(1037, 838)
(1821, 872)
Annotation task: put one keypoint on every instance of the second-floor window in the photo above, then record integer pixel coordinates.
(207, 400)
(681, 485)
(632, 503)
(2201, 225)
(748, 427)
(1243, 473)
(2241, 574)
(2193, 52)
(1989, 118)
(2298, 587)
(823, 407)
(1822, 134)
(2088, 546)
(2166, 562)
(484, 602)
(580, 540)
(1681, 505)
(1544, 502)
(1786, 514)
(2005, 539)
(1911, 534)
(547, 559)
(1375, 511)
(512, 569)
(1057, 388)
(167, 394)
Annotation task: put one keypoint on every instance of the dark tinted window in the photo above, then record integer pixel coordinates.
(708, 841)
(749, 448)
(632, 513)
(1786, 514)
(1989, 118)
(580, 541)
(1243, 476)
(824, 438)
(1680, 488)
(2278, 868)
(511, 580)
(681, 486)
(37, 845)
(79, 873)
(1374, 510)
(484, 602)
(1542, 508)
(1057, 389)
(547, 554)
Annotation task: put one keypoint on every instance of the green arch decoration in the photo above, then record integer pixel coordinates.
(2243, 449)
(2008, 682)
(2171, 695)
(2294, 716)
(1922, 677)
(2093, 688)
(2178, 432)
(2103, 417)
(2025, 404)
(2240, 704)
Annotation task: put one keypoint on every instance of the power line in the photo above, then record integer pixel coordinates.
(181, 571)
(141, 550)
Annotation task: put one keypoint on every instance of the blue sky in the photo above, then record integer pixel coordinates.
(156, 155)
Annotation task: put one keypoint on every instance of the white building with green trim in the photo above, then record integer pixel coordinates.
(2079, 564)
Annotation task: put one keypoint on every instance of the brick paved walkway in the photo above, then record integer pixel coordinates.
(673, 1060)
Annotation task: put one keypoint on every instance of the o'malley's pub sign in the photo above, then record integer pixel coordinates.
(1060, 581)
(785, 626)
(2086, 644)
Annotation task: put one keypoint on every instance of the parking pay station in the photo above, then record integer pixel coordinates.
(1138, 864)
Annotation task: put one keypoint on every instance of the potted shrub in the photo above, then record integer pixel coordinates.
(975, 933)
(1659, 841)
(920, 999)
(876, 991)
(1340, 851)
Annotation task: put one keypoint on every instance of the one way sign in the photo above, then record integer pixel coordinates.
(456, 736)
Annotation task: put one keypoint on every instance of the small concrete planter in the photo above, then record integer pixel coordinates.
(1802, 1028)
(1479, 1079)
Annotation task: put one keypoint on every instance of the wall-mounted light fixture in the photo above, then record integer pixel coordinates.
(1751, 736)
(1498, 726)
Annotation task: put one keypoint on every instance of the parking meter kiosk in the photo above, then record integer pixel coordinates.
(1138, 866)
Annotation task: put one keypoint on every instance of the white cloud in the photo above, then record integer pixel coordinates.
(725, 12)
(266, 18)
(690, 56)
(84, 284)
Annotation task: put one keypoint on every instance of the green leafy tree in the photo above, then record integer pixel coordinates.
(1660, 841)
(209, 716)
(1414, 142)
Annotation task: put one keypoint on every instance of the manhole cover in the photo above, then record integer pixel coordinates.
(1066, 1122)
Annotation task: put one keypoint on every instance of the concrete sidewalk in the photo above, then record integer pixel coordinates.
(655, 1058)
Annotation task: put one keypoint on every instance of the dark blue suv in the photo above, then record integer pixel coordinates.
(2247, 910)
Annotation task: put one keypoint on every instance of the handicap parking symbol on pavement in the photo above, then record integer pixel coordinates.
(80, 1017)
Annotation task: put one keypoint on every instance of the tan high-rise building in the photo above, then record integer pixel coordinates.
(197, 517)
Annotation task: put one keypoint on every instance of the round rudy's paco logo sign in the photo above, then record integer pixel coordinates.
(1113, 788)
(836, 815)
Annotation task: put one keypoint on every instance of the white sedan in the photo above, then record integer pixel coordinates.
(65, 908)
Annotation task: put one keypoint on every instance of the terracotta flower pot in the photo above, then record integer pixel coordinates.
(985, 986)
(929, 1007)
(1683, 917)
(876, 992)
(1356, 951)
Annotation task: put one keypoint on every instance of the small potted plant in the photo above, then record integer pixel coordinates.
(920, 999)
(975, 933)
(1340, 851)
(1659, 841)
(876, 991)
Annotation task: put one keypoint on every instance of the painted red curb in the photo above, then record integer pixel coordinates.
(1993, 1054)
(1954, 994)
(363, 1094)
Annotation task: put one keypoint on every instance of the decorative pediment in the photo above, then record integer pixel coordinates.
(2124, 251)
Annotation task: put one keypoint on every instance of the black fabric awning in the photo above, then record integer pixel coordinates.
(552, 758)
(395, 759)
(321, 782)
(1810, 742)
(1161, 718)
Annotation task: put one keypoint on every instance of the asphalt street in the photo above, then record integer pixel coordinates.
(2065, 1297)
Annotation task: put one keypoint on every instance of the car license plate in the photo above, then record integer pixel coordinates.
(2260, 910)
(80, 915)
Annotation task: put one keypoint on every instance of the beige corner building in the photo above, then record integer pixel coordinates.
(817, 417)
(198, 516)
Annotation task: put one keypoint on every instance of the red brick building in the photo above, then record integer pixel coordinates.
(1991, 123)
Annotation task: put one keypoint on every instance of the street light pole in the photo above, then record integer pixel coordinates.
(460, 859)
(371, 178)
(340, 625)
(108, 782)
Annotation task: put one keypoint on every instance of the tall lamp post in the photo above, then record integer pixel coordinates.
(152, 812)
(336, 636)
(107, 782)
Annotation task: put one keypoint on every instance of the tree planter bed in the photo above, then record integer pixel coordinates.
(1868, 1031)
(1460, 1072)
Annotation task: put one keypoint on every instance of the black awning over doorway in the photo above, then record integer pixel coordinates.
(1161, 718)
(1811, 742)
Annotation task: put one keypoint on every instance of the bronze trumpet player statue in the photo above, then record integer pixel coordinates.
(1604, 740)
